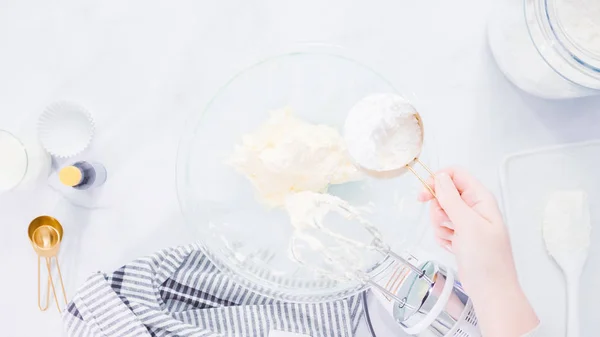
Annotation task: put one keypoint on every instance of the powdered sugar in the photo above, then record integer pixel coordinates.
(382, 132)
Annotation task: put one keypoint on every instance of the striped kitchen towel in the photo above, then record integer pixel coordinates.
(179, 292)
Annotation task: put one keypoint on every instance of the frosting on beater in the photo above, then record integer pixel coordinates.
(338, 256)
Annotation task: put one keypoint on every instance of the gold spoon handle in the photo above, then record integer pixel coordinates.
(423, 181)
(43, 307)
(50, 284)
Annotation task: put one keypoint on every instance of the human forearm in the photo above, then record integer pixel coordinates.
(505, 312)
(468, 222)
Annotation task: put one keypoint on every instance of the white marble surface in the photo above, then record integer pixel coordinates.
(142, 66)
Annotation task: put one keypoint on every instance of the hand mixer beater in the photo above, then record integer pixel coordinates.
(427, 300)
(384, 135)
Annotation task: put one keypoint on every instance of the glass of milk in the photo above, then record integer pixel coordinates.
(548, 48)
(23, 162)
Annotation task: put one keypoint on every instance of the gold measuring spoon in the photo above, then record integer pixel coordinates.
(45, 234)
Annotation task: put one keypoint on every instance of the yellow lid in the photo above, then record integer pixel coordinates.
(70, 175)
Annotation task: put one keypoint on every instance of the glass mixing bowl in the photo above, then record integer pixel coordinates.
(247, 240)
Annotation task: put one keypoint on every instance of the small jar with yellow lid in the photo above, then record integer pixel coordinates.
(82, 175)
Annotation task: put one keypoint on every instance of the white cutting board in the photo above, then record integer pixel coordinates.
(527, 180)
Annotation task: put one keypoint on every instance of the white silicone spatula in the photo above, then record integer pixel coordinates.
(567, 235)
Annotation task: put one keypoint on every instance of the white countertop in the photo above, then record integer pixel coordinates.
(141, 67)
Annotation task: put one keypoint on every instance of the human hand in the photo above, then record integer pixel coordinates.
(467, 222)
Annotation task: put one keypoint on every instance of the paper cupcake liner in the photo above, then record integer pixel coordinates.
(65, 129)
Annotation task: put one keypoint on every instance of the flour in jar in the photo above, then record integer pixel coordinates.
(383, 133)
(532, 64)
(581, 21)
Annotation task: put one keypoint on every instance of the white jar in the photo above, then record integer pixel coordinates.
(24, 164)
(548, 48)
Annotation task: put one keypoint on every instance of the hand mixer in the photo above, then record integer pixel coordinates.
(427, 299)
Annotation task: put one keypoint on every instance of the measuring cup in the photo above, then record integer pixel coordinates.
(367, 121)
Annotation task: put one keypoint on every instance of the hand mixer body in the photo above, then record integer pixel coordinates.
(438, 308)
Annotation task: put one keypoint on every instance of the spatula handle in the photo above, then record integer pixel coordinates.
(572, 306)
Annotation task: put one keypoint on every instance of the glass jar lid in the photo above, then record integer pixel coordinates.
(567, 35)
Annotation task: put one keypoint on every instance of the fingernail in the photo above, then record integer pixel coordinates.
(448, 248)
(448, 224)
